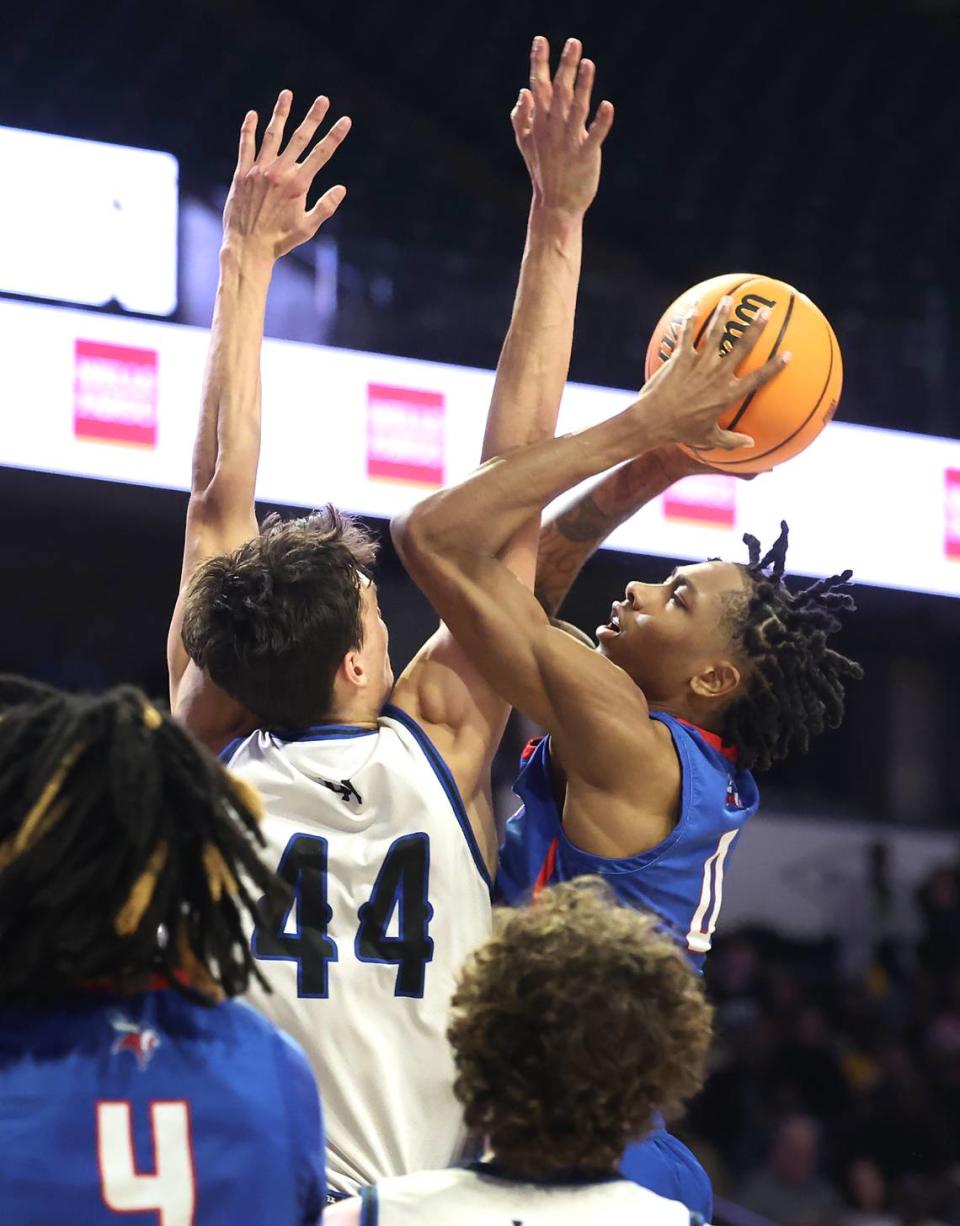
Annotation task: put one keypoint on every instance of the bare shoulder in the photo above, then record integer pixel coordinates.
(575, 632)
(631, 808)
(208, 712)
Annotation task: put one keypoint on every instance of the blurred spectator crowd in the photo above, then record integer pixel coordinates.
(834, 1098)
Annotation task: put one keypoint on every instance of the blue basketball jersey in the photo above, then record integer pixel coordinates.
(680, 880)
(150, 1110)
(663, 1164)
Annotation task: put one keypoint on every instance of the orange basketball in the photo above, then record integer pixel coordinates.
(786, 415)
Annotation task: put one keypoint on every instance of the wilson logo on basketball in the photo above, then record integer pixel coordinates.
(405, 434)
(743, 316)
(952, 509)
(115, 393)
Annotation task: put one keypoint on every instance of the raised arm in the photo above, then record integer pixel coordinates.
(441, 688)
(264, 218)
(451, 542)
(571, 536)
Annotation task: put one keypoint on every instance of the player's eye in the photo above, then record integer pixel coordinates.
(677, 598)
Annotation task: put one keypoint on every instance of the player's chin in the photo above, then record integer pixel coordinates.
(607, 640)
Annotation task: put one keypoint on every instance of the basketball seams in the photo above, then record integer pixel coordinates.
(834, 347)
(748, 400)
(732, 290)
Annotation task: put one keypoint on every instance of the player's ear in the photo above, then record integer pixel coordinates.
(352, 669)
(717, 681)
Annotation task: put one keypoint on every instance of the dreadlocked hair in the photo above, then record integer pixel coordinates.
(125, 849)
(797, 685)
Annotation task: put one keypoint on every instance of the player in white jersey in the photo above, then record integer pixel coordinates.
(368, 828)
(381, 820)
(571, 1028)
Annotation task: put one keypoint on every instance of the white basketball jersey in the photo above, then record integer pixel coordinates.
(391, 894)
(476, 1197)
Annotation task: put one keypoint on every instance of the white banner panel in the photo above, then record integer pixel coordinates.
(117, 399)
(98, 223)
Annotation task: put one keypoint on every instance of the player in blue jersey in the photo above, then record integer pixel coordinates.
(570, 1027)
(133, 1089)
(644, 777)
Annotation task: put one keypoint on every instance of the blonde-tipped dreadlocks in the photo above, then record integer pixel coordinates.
(797, 686)
(116, 828)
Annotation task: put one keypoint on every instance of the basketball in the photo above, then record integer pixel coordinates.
(786, 415)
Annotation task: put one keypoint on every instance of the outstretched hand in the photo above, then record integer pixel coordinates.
(267, 204)
(549, 120)
(693, 388)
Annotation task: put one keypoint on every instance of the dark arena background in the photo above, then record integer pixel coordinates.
(812, 142)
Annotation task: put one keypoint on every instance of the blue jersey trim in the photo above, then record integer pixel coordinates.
(447, 782)
(369, 1206)
(322, 732)
(230, 749)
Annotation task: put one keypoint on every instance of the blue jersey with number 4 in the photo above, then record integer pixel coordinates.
(681, 879)
(150, 1109)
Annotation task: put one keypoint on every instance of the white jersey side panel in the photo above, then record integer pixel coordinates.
(469, 1198)
(391, 895)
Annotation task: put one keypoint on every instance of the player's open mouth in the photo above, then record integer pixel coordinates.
(613, 625)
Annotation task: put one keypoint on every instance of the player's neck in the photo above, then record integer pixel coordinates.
(501, 1165)
(707, 720)
(353, 705)
(352, 716)
(134, 985)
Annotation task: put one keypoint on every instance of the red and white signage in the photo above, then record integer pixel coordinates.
(115, 393)
(952, 534)
(370, 433)
(709, 499)
(405, 434)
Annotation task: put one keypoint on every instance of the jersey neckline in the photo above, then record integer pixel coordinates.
(322, 732)
(713, 739)
(574, 1177)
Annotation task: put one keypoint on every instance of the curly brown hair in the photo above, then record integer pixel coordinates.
(271, 621)
(571, 1027)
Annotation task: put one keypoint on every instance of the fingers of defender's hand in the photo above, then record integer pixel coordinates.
(322, 152)
(728, 440)
(522, 116)
(581, 94)
(326, 206)
(565, 77)
(274, 133)
(769, 370)
(685, 336)
(248, 143)
(306, 131)
(717, 327)
(540, 85)
(751, 335)
(599, 130)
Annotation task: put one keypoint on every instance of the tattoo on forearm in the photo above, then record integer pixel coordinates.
(585, 521)
(557, 567)
(569, 540)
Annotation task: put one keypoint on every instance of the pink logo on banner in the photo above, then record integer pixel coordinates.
(405, 434)
(707, 499)
(952, 536)
(115, 393)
